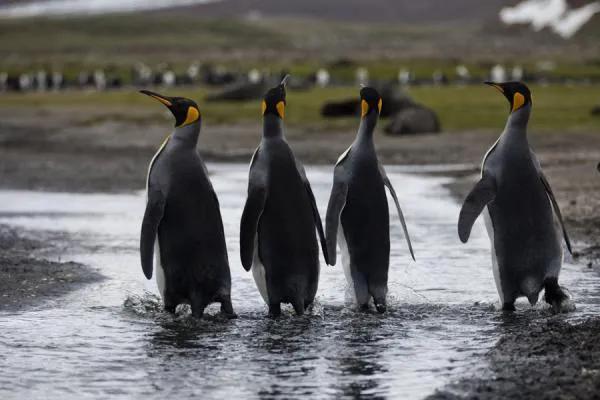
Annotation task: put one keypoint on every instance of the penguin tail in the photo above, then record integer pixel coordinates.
(531, 289)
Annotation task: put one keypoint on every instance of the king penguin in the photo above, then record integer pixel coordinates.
(521, 214)
(182, 225)
(357, 214)
(277, 232)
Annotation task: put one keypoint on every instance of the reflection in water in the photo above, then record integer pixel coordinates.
(362, 344)
(112, 340)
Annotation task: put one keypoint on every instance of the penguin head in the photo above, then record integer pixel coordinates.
(370, 101)
(274, 101)
(185, 110)
(517, 93)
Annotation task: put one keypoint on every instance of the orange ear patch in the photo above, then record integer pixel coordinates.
(193, 114)
(281, 109)
(518, 101)
(263, 107)
(364, 108)
(379, 104)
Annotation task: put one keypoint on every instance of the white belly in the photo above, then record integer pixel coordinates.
(259, 274)
(495, 267)
(341, 239)
(160, 273)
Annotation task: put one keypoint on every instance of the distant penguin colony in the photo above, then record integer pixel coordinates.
(280, 228)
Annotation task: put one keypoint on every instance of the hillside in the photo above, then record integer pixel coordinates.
(390, 11)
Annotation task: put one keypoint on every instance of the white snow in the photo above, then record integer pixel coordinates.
(83, 7)
(554, 14)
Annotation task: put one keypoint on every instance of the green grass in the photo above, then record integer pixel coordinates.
(557, 108)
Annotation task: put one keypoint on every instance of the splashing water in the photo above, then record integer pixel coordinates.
(111, 339)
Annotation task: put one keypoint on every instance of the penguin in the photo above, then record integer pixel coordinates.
(182, 224)
(277, 229)
(521, 214)
(357, 214)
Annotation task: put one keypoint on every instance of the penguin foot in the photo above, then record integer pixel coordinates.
(298, 307)
(555, 295)
(381, 308)
(170, 308)
(227, 310)
(274, 310)
(364, 307)
(509, 307)
(229, 315)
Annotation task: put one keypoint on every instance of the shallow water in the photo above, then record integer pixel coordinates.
(110, 339)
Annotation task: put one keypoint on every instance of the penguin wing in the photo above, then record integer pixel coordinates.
(483, 193)
(337, 202)
(155, 207)
(315, 210)
(556, 209)
(387, 183)
(552, 199)
(255, 204)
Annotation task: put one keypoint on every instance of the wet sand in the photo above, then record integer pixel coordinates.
(551, 359)
(28, 276)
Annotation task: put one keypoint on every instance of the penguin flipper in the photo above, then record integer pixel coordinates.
(315, 210)
(483, 193)
(152, 216)
(387, 183)
(255, 204)
(556, 209)
(337, 202)
(553, 201)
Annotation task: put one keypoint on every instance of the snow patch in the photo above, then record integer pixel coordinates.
(553, 14)
(87, 7)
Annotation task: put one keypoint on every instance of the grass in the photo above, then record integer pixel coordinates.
(557, 108)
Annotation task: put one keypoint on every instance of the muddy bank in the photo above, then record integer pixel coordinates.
(551, 359)
(92, 151)
(29, 278)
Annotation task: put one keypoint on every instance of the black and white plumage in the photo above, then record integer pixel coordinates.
(182, 226)
(357, 214)
(280, 218)
(522, 216)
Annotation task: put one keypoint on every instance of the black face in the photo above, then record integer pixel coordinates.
(370, 100)
(184, 110)
(274, 101)
(517, 93)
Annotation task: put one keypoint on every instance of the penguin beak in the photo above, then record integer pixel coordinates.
(495, 85)
(163, 99)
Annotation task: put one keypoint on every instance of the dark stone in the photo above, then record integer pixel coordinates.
(344, 108)
(394, 100)
(392, 97)
(595, 111)
(413, 120)
(240, 92)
